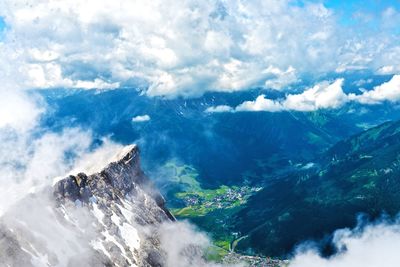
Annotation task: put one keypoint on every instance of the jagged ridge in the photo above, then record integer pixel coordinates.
(115, 224)
(122, 176)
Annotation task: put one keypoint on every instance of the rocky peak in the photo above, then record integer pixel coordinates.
(122, 205)
(121, 177)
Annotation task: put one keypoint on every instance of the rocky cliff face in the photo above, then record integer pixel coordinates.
(107, 218)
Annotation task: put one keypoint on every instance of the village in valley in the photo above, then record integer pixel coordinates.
(202, 202)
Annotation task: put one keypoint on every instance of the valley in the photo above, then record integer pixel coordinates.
(199, 133)
(210, 209)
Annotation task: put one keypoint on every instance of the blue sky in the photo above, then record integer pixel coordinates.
(2, 26)
(2, 23)
(349, 8)
(349, 11)
(368, 5)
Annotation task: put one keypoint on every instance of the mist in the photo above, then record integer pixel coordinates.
(370, 244)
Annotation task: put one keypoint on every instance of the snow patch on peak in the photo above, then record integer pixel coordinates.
(130, 235)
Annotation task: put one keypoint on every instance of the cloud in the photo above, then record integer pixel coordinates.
(31, 156)
(388, 91)
(219, 109)
(370, 246)
(386, 70)
(363, 82)
(321, 96)
(281, 79)
(29, 161)
(184, 245)
(38, 234)
(324, 95)
(19, 110)
(260, 104)
(184, 48)
(141, 118)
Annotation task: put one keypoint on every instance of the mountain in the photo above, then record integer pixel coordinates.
(107, 218)
(196, 157)
(359, 175)
(375, 140)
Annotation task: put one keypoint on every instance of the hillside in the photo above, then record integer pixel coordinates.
(360, 177)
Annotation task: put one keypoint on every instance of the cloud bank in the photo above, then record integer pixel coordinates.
(186, 47)
(324, 95)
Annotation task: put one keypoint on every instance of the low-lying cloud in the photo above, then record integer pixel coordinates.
(185, 245)
(369, 246)
(324, 95)
(388, 91)
(18, 110)
(321, 96)
(141, 118)
(31, 156)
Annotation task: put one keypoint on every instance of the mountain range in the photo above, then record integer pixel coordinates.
(357, 176)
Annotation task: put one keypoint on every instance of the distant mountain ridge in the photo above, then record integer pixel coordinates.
(375, 138)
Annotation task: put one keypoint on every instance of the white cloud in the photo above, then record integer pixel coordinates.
(260, 104)
(141, 118)
(183, 244)
(363, 82)
(324, 95)
(321, 96)
(374, 245)
(280, 79)
(219, 109)
(386, 70)
(388, 91)
(182, 48)
(32, 156)
(27, 162)
(95, 84)
(19, 110)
